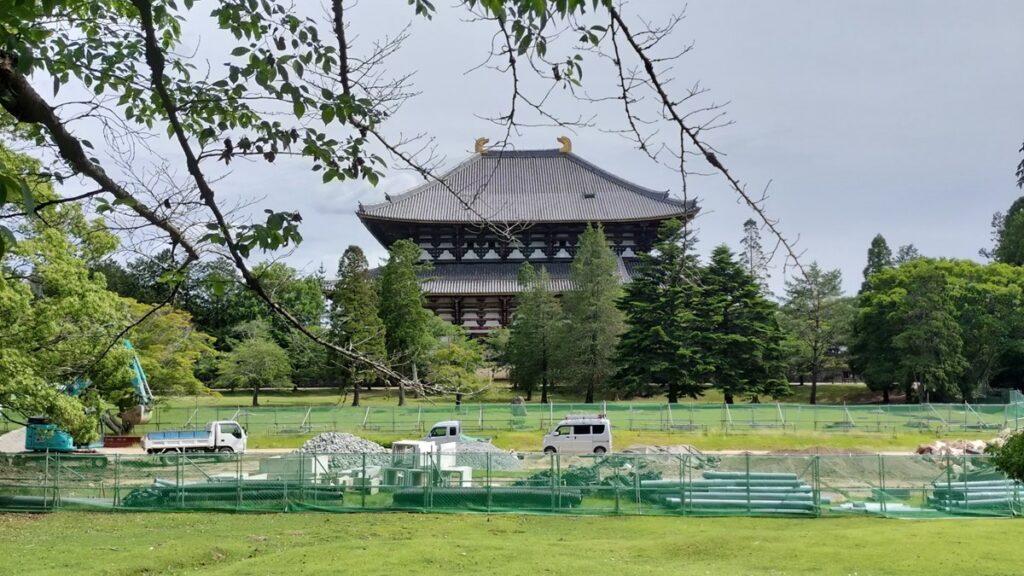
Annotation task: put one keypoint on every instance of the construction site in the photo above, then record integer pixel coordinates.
(342, 472)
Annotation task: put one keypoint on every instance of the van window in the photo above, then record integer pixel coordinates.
(563, 430)
(581, 429)
(438, 431)
(598, 428)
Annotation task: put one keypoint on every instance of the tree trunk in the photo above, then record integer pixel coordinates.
(814, 387)
(255, 396)
(729, 399)
(355, 393)
(529, 394)
(885, 395)
(458, 398)
(801, 379)
(590, 392)
(673, 393)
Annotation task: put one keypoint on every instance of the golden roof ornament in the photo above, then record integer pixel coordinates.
(478, 146)
(566, 144)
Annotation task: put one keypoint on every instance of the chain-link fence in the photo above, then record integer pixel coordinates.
(668, 484)
(684, 417)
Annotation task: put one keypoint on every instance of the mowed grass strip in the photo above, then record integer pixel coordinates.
(388, 544)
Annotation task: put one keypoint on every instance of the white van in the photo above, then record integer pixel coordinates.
(585, 434)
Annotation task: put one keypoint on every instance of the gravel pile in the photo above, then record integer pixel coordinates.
(475, 454)
(346, 450)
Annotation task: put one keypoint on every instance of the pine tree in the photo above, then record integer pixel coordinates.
(754, 259)
(407, 332)
(660, 346)
(817, 316)
(354, 319)
(906, 253)
(534, 334)
(592, 322)
(879, 258)
(741, 337)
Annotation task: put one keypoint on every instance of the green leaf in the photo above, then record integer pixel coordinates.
(7, 240)
(27, 198)
(240, 51)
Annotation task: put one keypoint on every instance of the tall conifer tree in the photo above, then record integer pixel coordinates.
(592, 322)
(355, 321)
(661, 345)
(741, 335)
(406, 322)
(534, 334)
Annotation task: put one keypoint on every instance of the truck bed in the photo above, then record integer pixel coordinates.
(178, 435)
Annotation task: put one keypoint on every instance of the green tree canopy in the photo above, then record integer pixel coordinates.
(58, 320)
(592, 321)
(255, 362)
(169, 348)
(741, 337)
(407, 332)
(952, 326)
(879, 258)
(661, 346)
(354, 318)
(534, 335)
(816, 314)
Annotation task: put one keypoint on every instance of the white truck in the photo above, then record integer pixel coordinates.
(449, 431)
(219, 436)
(580, 434)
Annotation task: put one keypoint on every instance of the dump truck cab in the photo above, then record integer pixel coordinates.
(444, 432)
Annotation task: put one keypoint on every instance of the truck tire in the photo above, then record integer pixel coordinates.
(599, 450)
(225, 450)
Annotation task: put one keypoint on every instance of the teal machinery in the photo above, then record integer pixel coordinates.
(43, 435)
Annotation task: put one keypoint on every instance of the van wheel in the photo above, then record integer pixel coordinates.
(550, 450)
(599, 450)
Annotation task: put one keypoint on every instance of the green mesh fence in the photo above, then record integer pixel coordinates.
(666, 484)
(687, 417)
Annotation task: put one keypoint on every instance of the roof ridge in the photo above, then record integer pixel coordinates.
(422, 186)
(631, 186)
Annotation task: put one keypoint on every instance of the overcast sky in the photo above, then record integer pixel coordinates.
(901, 118)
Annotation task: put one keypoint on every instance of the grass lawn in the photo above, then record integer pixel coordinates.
(530, 441)
(388, 544)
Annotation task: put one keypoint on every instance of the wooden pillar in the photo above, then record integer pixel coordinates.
(505, 304)
(457, 310)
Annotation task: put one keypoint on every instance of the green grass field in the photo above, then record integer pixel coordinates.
(389, 544)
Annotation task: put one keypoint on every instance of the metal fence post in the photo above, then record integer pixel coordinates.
(238, 482)
(117, 480)
(364, 482)
(636, 484)
(881, 482)
(747, 460)
(488, 481)
(816, 479)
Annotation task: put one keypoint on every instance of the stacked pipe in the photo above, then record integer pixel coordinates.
(735, 492)
(968, 495)
(247, 493)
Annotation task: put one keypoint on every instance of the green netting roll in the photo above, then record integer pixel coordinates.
(525, 498)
